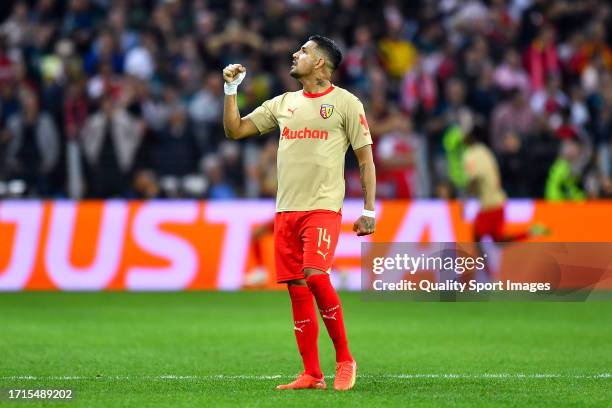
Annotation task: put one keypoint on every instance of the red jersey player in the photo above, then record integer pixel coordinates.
(317, 126)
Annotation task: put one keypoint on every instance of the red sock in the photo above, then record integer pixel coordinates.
(331, 312)
(306, 327)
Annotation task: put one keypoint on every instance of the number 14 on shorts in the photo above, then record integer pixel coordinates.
(324, 237)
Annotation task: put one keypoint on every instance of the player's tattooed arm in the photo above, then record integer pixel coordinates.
(367, 173)
(364, 190)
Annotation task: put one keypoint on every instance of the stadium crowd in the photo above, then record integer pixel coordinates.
(118, 98)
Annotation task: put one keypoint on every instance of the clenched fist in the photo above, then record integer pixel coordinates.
(364, 226)
(233, 75)
(231, 72)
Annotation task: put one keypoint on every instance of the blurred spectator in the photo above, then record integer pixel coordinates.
(398, 55)
(175, 151)
(541, 58)
(233, 43)
(104, 82)
(75, 113)
(16, 28)
(80, 21)
(34, 145)
(359, 58)
(444, 119)
(206, 109)
(455, 147)
(501, 28)
(6, 66)
(598, 45)
(104, 51)
(125, 36)
(580, 115)
(229, 152)
(476, 58)
(157, 108)
(220, 188)
(549, 101)
(145, 186)
(140, 61)
(602, 130)
(399, 154)
(512, 122)
(483, 95)
(188, 65)
(564, 178)
(510, 74)
(76, 109)
(448, 110)
(512, 167)
(110, 139)
(419, 90)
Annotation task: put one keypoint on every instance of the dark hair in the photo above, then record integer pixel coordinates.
(330, 49)
(479, 133)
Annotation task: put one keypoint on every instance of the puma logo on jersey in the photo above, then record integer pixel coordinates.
(324, 255)
(292, 110)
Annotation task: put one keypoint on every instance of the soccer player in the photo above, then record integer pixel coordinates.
(317, 125)
(484, 180)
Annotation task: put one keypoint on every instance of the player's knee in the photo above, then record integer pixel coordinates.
(297, 282)
(311, 271)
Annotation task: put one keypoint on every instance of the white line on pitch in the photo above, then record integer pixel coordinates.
(273, 377)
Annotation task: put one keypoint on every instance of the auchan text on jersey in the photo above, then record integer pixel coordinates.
(303, 134)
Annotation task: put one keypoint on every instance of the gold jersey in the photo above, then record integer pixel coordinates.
(315, 132)
(480, 165)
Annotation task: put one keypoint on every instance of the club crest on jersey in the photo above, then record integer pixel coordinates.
(326, 110)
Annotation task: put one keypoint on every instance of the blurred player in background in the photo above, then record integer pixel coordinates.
(317, 126)
(484, 180)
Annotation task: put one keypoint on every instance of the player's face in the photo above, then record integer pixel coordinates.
(304, 60)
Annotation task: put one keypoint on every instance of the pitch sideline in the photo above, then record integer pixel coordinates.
(483, 376)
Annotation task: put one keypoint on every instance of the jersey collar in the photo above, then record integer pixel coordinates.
(316, 95)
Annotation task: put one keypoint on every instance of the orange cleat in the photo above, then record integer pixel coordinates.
(303, 382)
(346, 374)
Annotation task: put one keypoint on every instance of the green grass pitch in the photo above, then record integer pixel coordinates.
(231, 349)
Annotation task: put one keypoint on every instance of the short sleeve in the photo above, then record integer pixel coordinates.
(264, 116)
(356, 125)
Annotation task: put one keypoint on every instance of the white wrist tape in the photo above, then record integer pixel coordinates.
(231, 88)
(368, 213)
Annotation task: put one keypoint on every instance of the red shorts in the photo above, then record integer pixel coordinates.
(304, 239)
(490, 222)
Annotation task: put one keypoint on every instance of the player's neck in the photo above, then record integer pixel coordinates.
(315, 85)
